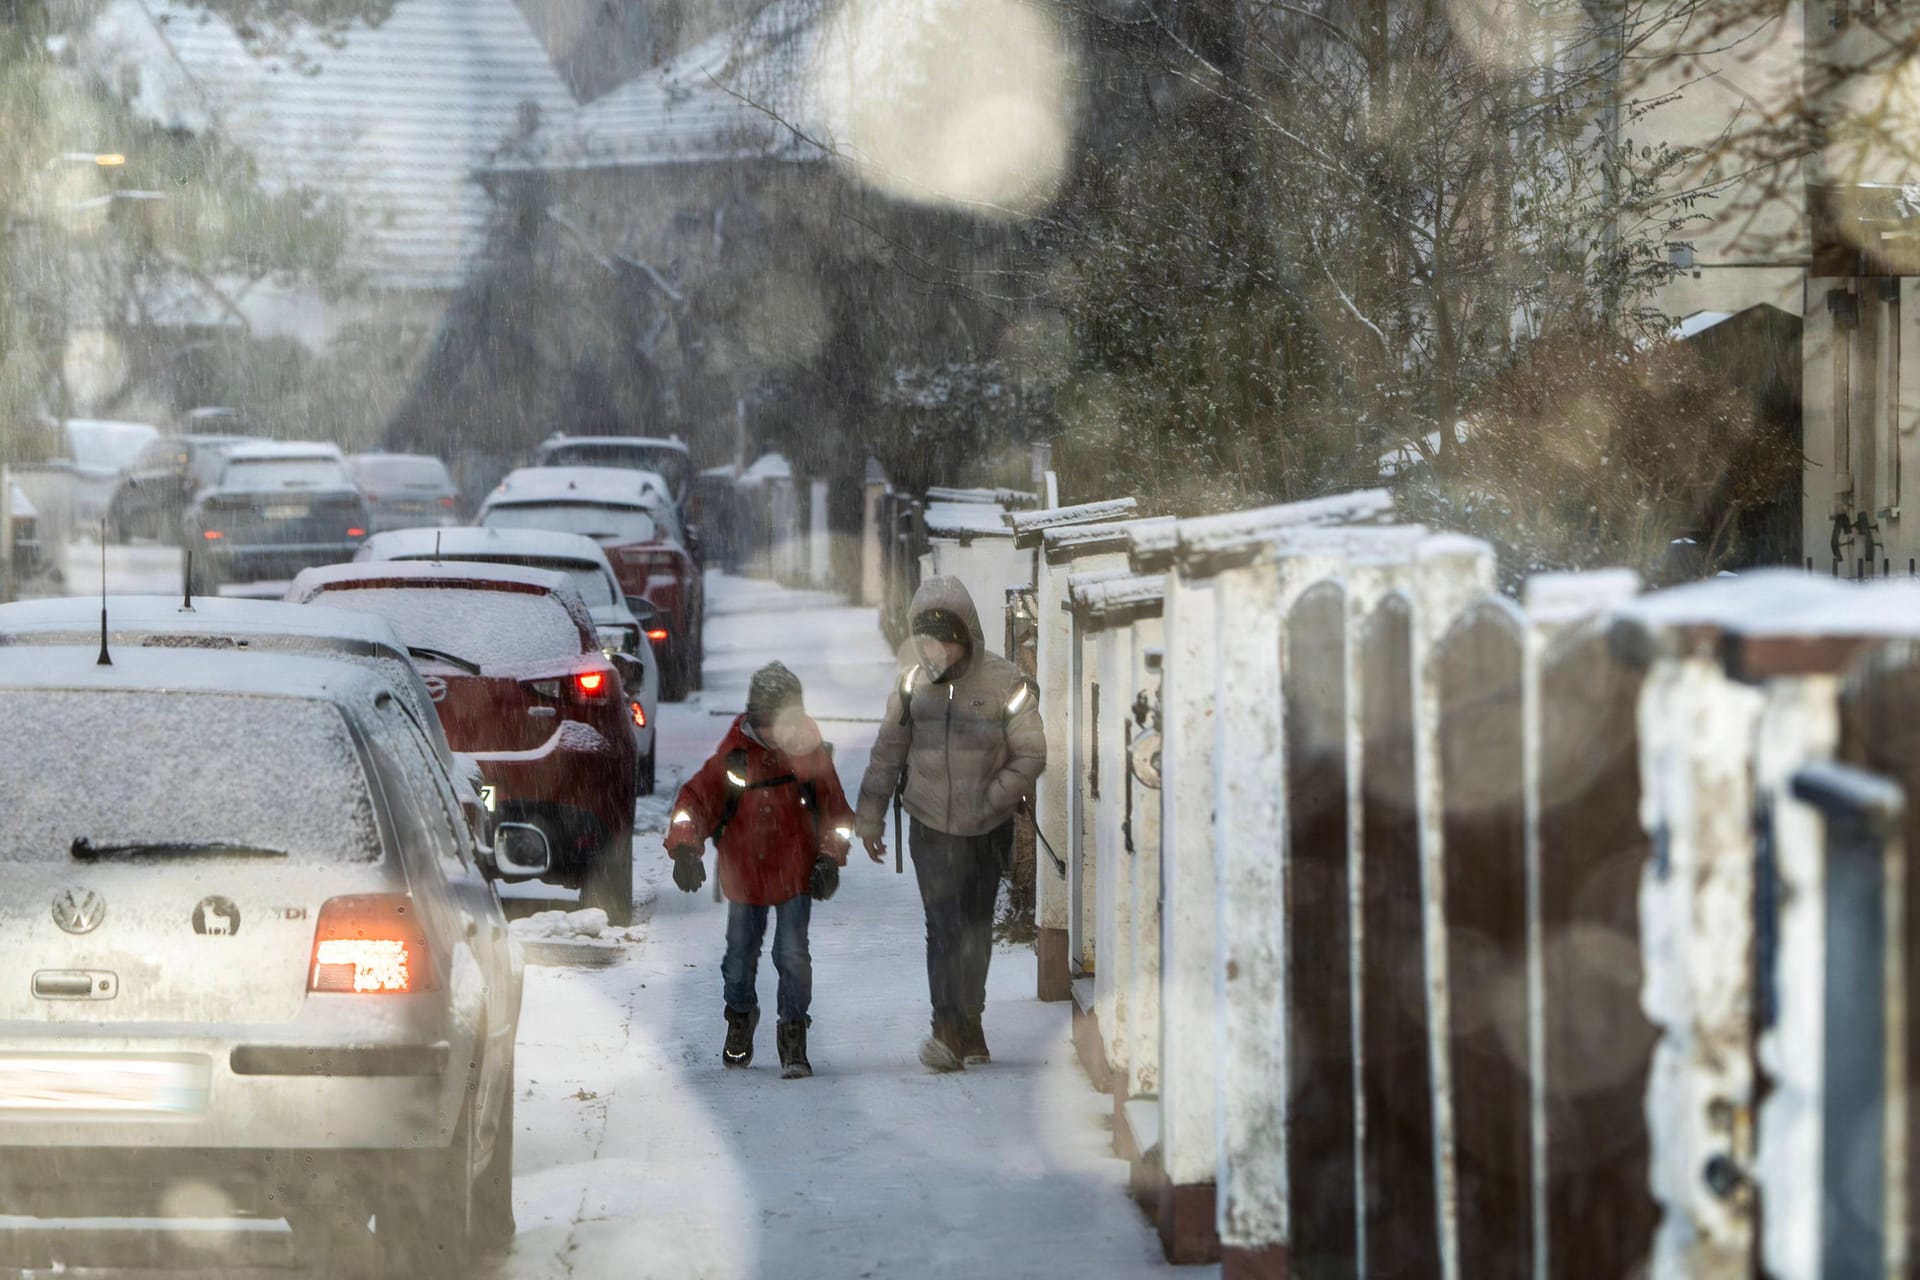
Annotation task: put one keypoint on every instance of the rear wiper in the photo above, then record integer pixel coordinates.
(85, 850)
(441, 655)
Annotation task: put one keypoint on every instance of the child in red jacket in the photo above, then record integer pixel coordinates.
(771, 802)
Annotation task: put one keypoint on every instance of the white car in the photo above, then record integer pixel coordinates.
(257, 959)
(622, 622)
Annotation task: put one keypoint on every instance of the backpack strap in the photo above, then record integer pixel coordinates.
(737, 785)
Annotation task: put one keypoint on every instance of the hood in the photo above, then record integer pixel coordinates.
(952, 595)
(799, 738)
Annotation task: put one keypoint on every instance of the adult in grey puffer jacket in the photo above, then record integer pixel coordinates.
(965, 724)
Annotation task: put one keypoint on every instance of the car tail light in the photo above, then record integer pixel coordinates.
(356, 531)
(447, 503)
(639, 715)
(370, 944)
(658, 635)
(590, 684)
(211, 534)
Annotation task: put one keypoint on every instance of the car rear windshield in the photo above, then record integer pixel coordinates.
(284, 473)
(590, 580)
(671, 464)
(601, 523)
(140, 767)
(402, 473)
(486, 628)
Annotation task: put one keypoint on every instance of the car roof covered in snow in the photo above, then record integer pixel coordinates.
(190, 671)
(167, 615)
(215, 624)
(290, 450)
(426, 575)
(611, 486)
(615, 442)
(469, 540)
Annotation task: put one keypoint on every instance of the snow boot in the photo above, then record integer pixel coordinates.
(792, 1038)
(738, 1051)
(939, 1052)
(973, 1044)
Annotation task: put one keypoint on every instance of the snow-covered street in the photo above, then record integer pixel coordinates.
(639, 1155)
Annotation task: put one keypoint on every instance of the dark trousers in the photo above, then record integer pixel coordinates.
(959, 879)
(746, 927)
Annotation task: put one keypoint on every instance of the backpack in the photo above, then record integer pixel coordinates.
(737, 785)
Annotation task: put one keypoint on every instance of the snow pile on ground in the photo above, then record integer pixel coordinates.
(590, 922)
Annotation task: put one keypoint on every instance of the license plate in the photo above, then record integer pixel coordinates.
(285, 511)
(103, 1083)
(487, 794)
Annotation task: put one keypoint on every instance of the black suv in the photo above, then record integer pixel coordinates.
(275, 509)
(158, 488)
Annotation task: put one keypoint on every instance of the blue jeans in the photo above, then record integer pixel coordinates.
(746, 926)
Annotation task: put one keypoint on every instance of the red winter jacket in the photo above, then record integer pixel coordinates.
(768, 848)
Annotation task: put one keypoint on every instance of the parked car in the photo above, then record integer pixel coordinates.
(666, 458)
(153, 496)
(527, 693)
(627, 513)
(216, 625)
(101, 451)
(621, 624)
(275, 509)
(405, 490)
(255, 955)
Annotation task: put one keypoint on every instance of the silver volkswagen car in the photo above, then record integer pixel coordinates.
(251, 958)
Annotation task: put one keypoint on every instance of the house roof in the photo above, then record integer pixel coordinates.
(727, 98)
(392, 119)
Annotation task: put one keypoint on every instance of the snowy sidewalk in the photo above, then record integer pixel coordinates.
(640, 1156)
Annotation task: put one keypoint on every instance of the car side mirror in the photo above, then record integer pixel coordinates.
(521, 851)
(642, 610)
(632, 672)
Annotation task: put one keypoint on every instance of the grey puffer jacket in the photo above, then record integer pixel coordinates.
(970, 738)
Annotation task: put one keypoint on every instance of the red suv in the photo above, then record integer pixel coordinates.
(632, 516)
(516, 672)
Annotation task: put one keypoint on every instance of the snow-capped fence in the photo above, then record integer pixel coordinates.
(1415, 930)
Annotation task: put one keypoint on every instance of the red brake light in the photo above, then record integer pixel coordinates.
(658, 635)
(639, 715)
(447, 502)
(591, 684)
(369, 944)
(211, 534)
(356, 532)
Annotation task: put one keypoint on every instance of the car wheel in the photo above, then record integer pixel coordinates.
(425, 1222)
(493, 1224)
(644, 774)
(609, 881)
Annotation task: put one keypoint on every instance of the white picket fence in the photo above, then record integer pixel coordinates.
(1417, 931)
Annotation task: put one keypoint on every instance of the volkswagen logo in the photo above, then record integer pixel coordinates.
(79, 910)
(436, 687)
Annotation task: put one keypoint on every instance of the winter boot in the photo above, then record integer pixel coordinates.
(792, 1038)
(738, 1051)
(973, 1043)
(939, 1051)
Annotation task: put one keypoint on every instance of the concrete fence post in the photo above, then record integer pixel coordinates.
(1053, 652)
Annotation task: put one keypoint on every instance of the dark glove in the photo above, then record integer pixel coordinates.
(689, 873)
(825, 880)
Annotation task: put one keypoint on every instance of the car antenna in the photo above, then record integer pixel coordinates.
(105, 659)
(186, 583)
(436, 546)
